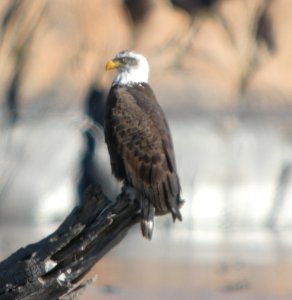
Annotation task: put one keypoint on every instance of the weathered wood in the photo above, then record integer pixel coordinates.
(53, 267)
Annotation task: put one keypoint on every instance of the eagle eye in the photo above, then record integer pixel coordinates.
(130, 61)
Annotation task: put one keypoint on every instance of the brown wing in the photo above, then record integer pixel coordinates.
(143, 143)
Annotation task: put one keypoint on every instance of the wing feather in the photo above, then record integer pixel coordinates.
(144, 144)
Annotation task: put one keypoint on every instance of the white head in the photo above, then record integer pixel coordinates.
(132, 68)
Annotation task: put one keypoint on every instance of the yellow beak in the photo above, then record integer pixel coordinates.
(112, 64)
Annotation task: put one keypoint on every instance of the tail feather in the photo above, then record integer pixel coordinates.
(147, 218)
(176, 214)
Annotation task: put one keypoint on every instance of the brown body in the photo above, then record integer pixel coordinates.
(141, 150)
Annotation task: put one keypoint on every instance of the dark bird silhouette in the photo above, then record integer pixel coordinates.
(139, 141)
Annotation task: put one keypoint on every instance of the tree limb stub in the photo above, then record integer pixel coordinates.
(53, 267)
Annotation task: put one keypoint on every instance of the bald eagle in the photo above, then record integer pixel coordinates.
(139, 140)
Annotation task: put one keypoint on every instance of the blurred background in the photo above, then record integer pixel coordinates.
(222, 71)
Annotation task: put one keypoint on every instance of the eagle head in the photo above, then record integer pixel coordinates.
(131, 68)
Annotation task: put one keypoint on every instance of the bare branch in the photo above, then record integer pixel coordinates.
(53, 267)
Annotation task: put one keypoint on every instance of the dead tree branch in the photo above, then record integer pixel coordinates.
(53, 267)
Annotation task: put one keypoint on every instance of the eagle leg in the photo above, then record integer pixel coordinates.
(147, 218)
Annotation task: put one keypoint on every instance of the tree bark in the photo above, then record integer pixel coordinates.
(53, 267)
